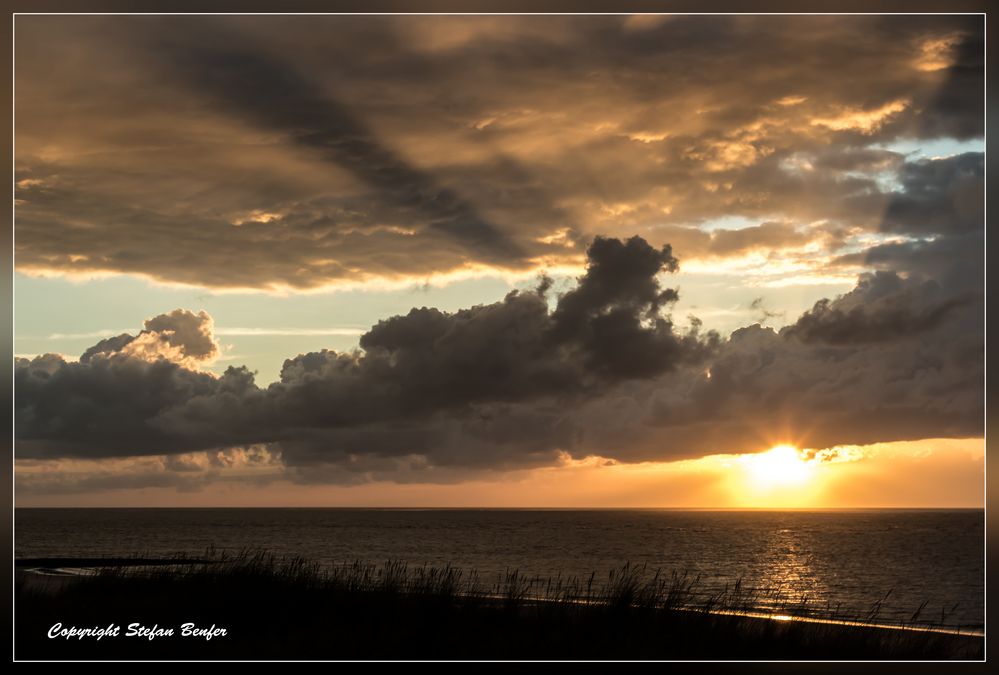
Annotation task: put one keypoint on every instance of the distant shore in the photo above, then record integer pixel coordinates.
(256, 606)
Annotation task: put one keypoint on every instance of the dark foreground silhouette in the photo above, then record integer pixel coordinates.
(293, 609)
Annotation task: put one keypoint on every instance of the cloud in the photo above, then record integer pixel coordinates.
(944, 195)
(179, 336)
(883, 308)
(448, 385)
(103, 406)
(190, 472)
(899, 357)
(217, 66)
(434, 395)
(285, 152)
(190, 334)
(946, 113)
(840, 453)
(427, 364)
(864, 121)
(766, 236)
(765, 388)
(106, 346)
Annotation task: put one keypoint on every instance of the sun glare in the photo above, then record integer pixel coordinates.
(780, 466)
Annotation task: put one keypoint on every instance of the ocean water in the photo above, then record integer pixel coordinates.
(837, 562)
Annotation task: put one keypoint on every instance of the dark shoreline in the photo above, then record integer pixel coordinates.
(274, 609)
(108, 562)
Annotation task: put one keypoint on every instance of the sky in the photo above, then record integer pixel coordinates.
(635, 261)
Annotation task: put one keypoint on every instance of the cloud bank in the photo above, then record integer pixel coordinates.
(519, 383)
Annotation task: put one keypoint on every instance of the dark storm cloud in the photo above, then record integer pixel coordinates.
(607, 329)
(436, 395)
(416, 371)
(294, 151)
(958, 261)
(882, 308)
(105, 406)
(900, 357)
(944, 196)
(766, 388)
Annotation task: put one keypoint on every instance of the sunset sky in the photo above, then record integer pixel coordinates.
(637, 261)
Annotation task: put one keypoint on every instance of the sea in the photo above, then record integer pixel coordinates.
(891, 565)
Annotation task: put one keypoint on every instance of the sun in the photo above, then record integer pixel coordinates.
(780, 466)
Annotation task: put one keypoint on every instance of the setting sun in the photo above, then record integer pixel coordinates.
(782, 465)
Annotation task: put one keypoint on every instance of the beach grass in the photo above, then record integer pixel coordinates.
(274, 607)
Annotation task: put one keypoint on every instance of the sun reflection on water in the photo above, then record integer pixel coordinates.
(790, 585)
